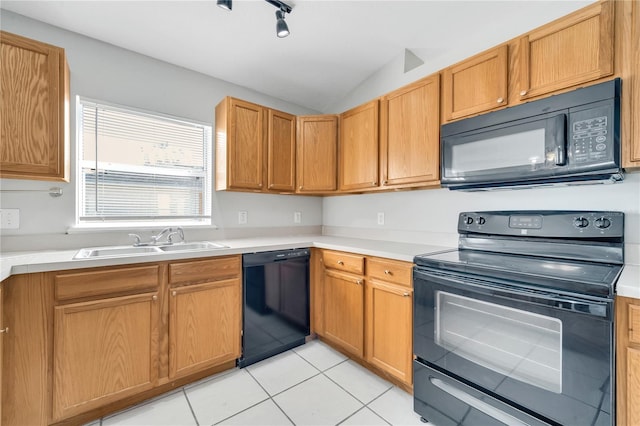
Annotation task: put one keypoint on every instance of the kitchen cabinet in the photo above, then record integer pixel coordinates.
(105, 348)
(317, 146)
(34, 104)
(475, 85)
(343, 303)
(254, 145)
(358, 148)
(572, 50)
(627, 361)
(409, 135)
(204, 314)
(389, 317)
(631, 87)
(3, 330)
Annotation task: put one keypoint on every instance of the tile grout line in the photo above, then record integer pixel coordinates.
(376, 398)
(271, 398)
(193, 413)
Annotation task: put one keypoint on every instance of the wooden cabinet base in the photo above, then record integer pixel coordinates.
(377, 371)
(135, 399)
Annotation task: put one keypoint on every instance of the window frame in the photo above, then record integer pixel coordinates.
(124, 222)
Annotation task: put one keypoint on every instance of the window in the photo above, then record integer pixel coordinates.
(139, 168)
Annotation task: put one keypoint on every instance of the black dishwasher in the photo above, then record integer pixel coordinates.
(275, 314)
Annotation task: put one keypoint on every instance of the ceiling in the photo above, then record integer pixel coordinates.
(334, 45)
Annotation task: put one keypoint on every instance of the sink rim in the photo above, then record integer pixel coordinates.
(120, 251)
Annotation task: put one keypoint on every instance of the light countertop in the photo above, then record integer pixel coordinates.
(43, 261)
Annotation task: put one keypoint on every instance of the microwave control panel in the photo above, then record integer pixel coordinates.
(591, 136)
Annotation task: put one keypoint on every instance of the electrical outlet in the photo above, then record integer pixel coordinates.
(243, 217)
(380, 218)
(10, 218)
(297, 217)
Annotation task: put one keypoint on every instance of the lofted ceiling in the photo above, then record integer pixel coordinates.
(334, 45)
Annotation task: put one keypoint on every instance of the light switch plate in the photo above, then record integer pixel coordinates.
(297, 217)
(10, 218)
(380, 218)
(243, 217)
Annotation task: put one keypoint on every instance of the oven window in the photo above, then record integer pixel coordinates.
(522, 345)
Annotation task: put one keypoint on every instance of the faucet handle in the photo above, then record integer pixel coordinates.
(137, 240)
(178, 231)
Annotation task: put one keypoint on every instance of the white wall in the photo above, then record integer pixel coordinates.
(105, 72)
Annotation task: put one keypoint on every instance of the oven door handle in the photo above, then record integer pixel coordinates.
(565, 303)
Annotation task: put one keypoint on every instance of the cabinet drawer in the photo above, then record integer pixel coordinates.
(204, 270)
(390, 270)
(634, 324)
(106, 282)
(343, 261)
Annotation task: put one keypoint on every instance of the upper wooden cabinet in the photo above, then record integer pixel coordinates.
(34, 103)
(254, 145)
(317, 146)
(409, 134)
(567, 52)
(631, 88)
(281, 151)
(358, 148)
(477, 84)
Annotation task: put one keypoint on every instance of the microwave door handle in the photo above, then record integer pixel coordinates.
(560, 127)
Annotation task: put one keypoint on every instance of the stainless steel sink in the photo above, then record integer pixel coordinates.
(90, 253)
(114, 251)
(204, 245)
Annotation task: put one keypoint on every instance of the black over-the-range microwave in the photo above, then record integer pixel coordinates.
(571, 138)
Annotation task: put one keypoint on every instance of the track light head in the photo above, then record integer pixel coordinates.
(225, 4)
(282, 30)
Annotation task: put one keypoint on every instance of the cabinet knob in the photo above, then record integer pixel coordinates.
(500, 100)
(174, 293)
(388, 272)
(359, 282)
(384, 182)
(340, 262)
(405, 294)
(4, 330)
(260, 185)
(523, 92)
(270, 186)
(373, 183)
(154, 297)
(300, 187)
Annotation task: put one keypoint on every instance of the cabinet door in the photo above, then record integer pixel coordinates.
(476, 85)
(633, 387)
(245, 145)
(389, 328)
(344, 311)
(281, 151)
(104, 351)
(409, 139)
(317, 149)
(204, 326)
(358, 148)
(631, 154)
(567, 52)
(35, 96)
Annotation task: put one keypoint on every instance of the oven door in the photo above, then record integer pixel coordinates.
(544, 354)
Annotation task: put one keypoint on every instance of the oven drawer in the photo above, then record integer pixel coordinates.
(436, 393)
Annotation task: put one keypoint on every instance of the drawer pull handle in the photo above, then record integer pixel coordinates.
(500, 100)
(340, 262)
(405, 294)
(359, 282)
(174, 294)
(4, 330)
(523, 92)
(388, 272)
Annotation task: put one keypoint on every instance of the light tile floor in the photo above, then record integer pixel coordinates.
(309, 385)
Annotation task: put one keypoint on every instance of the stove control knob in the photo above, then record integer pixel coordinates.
(603, 223)
(581, 222)
(481, 220)
(468, 220)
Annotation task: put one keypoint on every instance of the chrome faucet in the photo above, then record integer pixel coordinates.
(179, 232)
(155, 239)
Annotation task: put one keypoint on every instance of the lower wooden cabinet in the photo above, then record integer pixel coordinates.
(344, 310)
(204, 326)
(3, 330)
(627, 361)
(364, 306)
(104, 350)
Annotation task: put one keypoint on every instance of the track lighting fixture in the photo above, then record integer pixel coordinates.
(225, 4)
(282, 29)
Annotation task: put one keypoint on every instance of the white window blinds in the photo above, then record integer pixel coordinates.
(139, 167)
